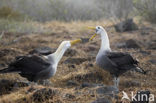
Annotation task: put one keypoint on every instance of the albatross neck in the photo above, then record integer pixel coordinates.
(57, 55)
(105, 45)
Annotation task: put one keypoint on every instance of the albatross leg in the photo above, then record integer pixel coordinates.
(116, 89)
(116, 83)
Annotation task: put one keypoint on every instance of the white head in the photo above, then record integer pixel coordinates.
(65, 45)
(99, 29)
(105, 40)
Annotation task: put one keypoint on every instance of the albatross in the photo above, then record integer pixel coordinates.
(116, 63)
(36, 68)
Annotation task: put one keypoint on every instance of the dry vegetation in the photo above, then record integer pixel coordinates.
(29, 24)
(15, 44)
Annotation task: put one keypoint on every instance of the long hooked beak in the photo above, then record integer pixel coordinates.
(73, 42)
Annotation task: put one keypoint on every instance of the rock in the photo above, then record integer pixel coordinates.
(101, 100)
(69, 96)
(90, 65)
(142, 97)
(152, 45)
(43, 50)
(72, 83)
(43, 94)
(90, 85)
(70, 52)
(129, 44)
(75, 60)
(153, 61)
(107, 90)
(84, 40)
(127, 25)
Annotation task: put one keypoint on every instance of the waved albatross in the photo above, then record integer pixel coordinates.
(116, 63)
(35, 67)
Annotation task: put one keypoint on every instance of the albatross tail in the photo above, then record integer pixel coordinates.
(140, 70)
(6, 70)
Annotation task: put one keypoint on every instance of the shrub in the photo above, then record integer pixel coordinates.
(117, 9)
(147, 9)
(8, 13)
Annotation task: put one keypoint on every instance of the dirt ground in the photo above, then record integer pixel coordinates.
(67, 83)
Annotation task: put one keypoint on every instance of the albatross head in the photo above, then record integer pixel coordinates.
(98, 29)
(67, 44)
(105, 46)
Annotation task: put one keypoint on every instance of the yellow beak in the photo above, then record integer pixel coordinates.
(93, 28)
(92, 37)
(75, 41)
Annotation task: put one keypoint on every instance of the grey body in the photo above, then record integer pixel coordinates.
(117, 63)
(32, 67)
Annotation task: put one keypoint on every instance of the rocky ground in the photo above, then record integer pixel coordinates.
(78, 79)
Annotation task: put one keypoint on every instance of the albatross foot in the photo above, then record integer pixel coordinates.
(116, 90)
(108, 90)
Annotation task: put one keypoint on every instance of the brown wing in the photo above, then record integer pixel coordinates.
(121, 59)
(29, 64)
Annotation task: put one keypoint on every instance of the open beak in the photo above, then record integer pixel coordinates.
(92, 28)
(73, 42)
